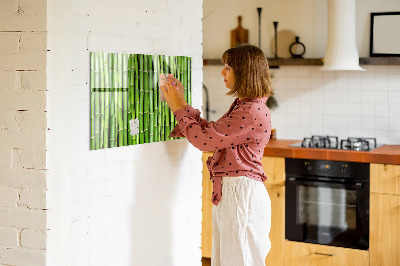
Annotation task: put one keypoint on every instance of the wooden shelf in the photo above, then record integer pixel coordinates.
(274, 63)
(380, 61)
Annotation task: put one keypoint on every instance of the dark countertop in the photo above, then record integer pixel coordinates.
(389, 154)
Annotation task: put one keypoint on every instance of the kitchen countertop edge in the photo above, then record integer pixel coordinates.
(386, 154)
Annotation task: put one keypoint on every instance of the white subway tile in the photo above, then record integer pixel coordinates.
(394, 110)
(394, 137)
(367, 96)
(381, 97)
(380, 84)
(382, 136)
(355, 96)
(329, 109)
(394, 123)
(381, 110)
(355, 122)
(381, 123)
(367, 123)
(291, 71)
(368, 110)
(394, 83)
(380, 71)
(394, 97)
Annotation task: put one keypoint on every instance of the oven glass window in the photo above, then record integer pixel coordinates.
(326, 207)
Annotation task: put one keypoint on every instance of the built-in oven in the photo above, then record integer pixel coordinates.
(327, 202)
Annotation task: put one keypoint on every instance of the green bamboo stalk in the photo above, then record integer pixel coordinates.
(137, 90)
(101, 93)
(174, 69)
(146, 99)
(115, 90)
(160, 108)
(113, 132)
(92, 103)
(166, 108)
(106, 93)
(141, 97)
(185, 84)
(189, 85)
(120, 103)
(155, 98)
(125, 88)
(151, 100)
(131, 112)
(97, 100)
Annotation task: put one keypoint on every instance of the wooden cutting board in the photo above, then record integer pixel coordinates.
(239, 35)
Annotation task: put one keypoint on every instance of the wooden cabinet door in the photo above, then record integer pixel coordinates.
(274, 168)
(385, 178)
(277, 233)
(206, 226)
(384, 236)
(304, 254)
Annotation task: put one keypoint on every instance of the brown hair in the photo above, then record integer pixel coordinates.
(250, 66)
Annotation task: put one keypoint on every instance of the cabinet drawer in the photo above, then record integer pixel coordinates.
(304, 254)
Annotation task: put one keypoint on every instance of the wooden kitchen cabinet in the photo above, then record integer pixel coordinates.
(274, 168)
(277, 233)
(305, 254)
(206, 225)
(384, 236)
(385, 178)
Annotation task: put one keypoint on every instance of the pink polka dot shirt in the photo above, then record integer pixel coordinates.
(238, 139)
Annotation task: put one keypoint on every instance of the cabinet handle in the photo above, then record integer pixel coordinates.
(324, 254)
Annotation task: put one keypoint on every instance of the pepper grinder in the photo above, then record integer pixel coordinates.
(276, 38)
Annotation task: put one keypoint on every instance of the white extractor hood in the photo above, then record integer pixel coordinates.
(341, 51)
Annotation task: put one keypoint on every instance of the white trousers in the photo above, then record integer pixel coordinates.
(241, 223)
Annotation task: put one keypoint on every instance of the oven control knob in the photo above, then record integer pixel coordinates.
(343, 168)
(308, 166)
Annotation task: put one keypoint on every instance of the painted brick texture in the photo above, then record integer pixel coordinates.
(23, 132)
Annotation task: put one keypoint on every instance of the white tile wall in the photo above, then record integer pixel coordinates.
(312, 102)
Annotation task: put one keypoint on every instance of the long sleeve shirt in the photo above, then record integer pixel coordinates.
(238, 139)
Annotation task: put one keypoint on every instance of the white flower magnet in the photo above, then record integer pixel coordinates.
(134, 124)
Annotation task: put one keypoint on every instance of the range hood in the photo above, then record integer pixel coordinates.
(341, 51)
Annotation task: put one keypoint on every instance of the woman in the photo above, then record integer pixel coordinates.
(242, 208)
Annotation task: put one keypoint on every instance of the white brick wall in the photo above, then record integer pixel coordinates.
(23, 132)
(136, 205)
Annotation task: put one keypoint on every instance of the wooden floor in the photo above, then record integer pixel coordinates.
(206, 261)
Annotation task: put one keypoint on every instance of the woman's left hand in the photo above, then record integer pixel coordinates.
(171, 96)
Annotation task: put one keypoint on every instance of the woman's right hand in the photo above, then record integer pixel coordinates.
(181, 91)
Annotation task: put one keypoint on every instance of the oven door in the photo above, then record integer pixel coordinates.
(327, 213)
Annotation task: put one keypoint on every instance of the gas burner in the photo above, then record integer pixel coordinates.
(358, 144)
(332, 142)
(327, 142)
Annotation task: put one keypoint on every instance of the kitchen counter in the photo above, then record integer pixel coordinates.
(389, 154)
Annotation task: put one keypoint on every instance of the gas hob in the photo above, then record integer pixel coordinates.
(332, 142)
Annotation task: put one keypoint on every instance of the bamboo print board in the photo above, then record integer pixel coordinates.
(125, 107)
